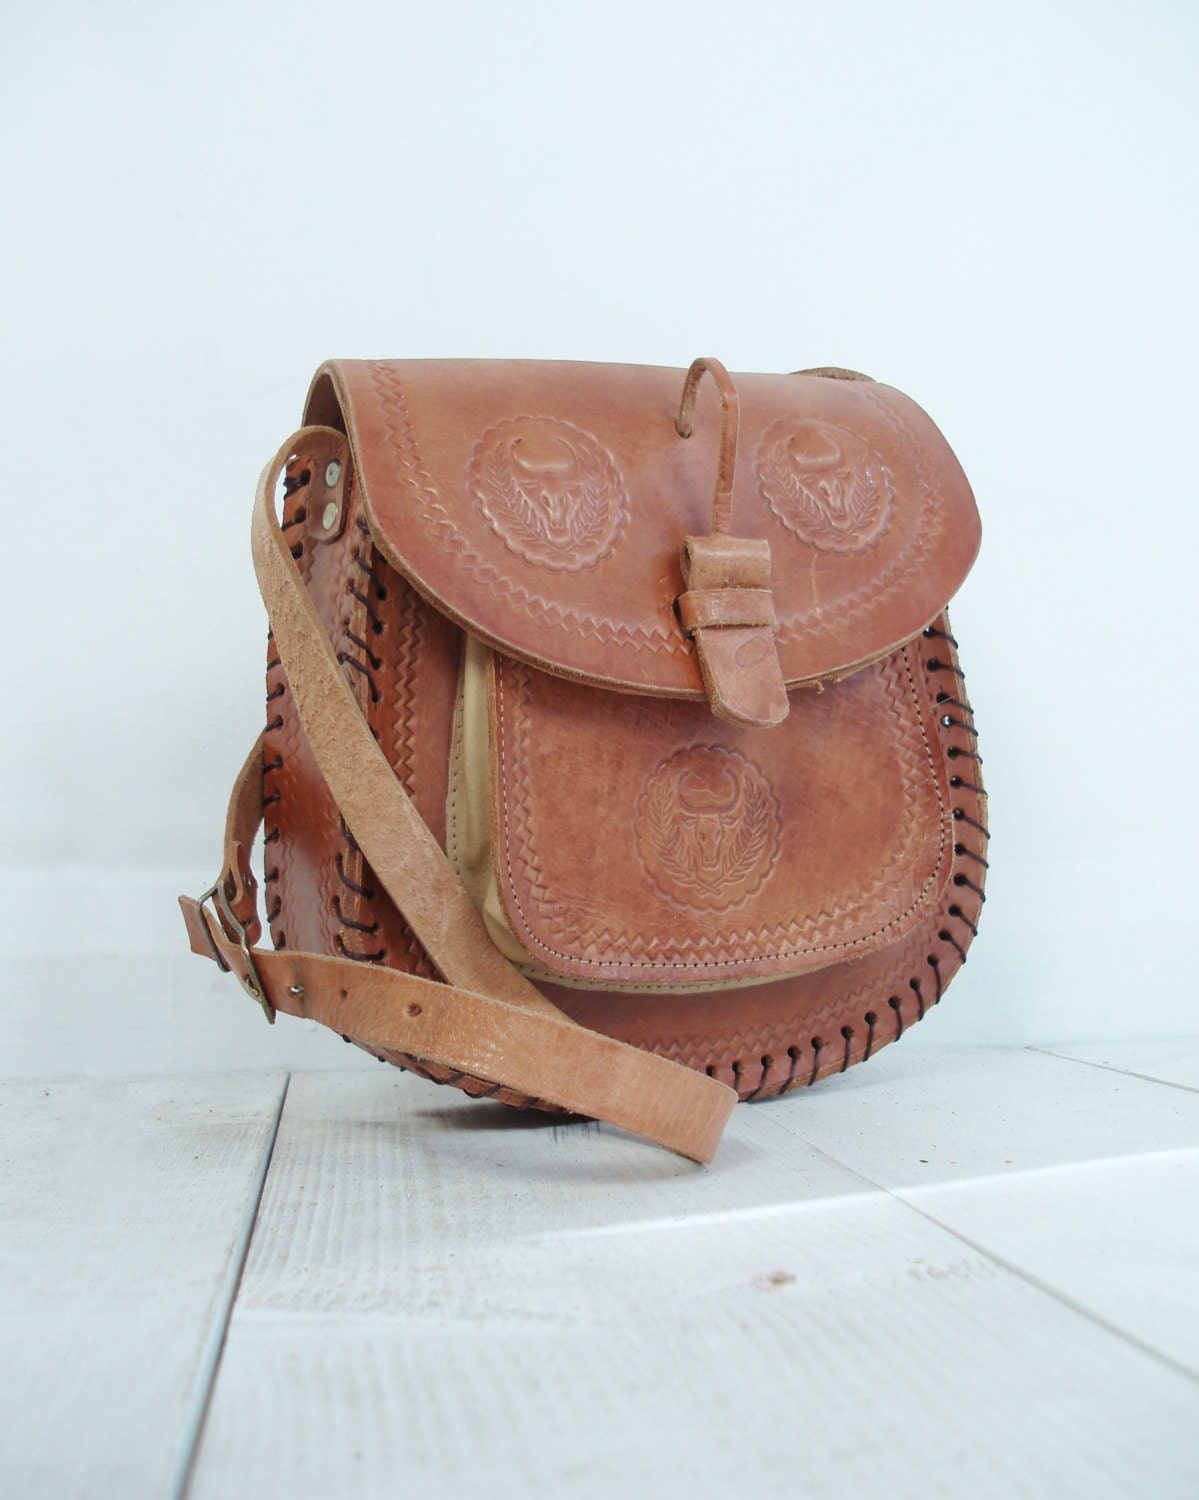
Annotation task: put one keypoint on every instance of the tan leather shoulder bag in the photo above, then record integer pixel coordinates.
(618, 760)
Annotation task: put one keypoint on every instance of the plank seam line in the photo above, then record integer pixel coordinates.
(1065, 1300)
(833, 1201)
(1166, 1083)
(1046, 1288)
(190, 1447)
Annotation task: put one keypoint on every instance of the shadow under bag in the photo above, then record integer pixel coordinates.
(618, 759)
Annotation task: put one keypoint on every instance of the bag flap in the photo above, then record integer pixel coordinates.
(612, 848)
(543, 506)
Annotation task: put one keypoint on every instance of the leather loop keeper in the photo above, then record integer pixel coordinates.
(700, 608)
(726, 562)
(728, 610)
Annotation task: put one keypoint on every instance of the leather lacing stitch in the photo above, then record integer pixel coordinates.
(352, 941)
(272, 798)
(359, 664)
(407, 1064)
(361, 956)
(369, 662)
(295, 513)
(291, 484)
(955, 715)
(364, 665)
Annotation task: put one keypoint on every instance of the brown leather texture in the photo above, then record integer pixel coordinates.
(544, 506)
(764, 904)
(486, 1019)
(675, 848)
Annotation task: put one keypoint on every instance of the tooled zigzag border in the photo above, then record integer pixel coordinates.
(279, 781)
(796, 1052)
(439, 520)
(409, 637)
(712, 951)
(399, 632)
(901, 570)
(358, 924)
(765, 1040)
(769, 1050)
(782, 1061)
(657, 637)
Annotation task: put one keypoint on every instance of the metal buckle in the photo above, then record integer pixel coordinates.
(251, 980)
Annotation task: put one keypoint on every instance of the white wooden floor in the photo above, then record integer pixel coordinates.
(953, 1272)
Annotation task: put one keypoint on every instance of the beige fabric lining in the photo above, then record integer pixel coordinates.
(468, 810)
(469, 838)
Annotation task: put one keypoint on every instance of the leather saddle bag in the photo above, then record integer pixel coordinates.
(618, 758)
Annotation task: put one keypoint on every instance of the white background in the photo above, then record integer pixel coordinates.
(989, 206)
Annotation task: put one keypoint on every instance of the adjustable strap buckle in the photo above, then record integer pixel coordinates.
(251, 980)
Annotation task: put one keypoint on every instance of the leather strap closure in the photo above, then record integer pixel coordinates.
(730, 426)
(728, 609)
(487, 1020)
(702, 608)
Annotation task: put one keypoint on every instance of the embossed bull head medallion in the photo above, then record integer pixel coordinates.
(550, 491)
(707, 828)
(825, 484)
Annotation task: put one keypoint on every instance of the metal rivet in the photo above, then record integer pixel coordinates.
(329, 519)
(332, 473)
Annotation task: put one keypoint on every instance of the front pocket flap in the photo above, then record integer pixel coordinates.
(637, 843)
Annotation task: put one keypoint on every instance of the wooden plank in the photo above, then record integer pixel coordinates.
(1172, 1059)
(1078, 1176)
(445, 1298)
(124, 1209)
(908, 1119)
(1116, 1238)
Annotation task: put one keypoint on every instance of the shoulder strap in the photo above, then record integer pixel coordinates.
(487, 1020)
